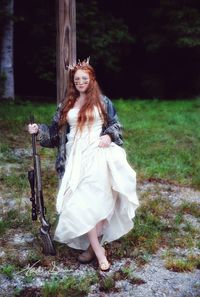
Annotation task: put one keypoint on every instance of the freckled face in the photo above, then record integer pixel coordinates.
(81, 80)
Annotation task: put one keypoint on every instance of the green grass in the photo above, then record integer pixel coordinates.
(192, 208)
(8, 270)
(157, 224)
(179, 264)
(14, 118)
(162, 138)
(70, 286)
(19, 112)
(3, 227)
(107, 284)
(13, 219)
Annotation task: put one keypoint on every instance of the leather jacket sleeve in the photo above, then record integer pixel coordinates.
(113, 127)
(48, 135)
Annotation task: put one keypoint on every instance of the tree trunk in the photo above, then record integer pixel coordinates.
(66, 43)
(6, 56)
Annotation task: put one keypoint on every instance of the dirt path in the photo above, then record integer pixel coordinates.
(129, 279)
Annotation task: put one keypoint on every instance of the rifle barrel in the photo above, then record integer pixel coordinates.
(38, 208)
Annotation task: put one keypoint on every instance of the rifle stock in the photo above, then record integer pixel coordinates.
(38, 209)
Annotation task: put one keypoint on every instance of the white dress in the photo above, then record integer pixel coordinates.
(98, 184)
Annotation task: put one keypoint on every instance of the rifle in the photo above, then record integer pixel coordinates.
(38, 209)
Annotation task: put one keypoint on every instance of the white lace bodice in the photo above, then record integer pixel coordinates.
(89, 132)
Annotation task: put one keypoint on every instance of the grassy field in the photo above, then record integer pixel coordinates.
(162, 141)
(162, 138)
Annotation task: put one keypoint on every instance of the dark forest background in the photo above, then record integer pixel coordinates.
(145, 49)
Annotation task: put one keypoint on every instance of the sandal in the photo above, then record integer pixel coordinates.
(104, 265)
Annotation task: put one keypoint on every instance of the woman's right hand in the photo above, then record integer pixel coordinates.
(33, 128)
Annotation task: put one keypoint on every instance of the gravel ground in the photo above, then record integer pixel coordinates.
(159, 282)
(156, 280)
(173, 193)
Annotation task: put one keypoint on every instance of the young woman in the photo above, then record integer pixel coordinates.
(97, 196)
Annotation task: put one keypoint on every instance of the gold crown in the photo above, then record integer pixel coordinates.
(77, 65)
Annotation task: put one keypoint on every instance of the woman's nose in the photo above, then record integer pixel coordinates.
(81, 81)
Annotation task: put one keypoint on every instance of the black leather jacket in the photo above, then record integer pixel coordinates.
(50, 136)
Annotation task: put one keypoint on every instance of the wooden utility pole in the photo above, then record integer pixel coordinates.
(65, 43)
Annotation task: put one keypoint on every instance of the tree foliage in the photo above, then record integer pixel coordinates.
(172, 25)
(35, 47)
(170, 38)
(105, 37)
(146, 48)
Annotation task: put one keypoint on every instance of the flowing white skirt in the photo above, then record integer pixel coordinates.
(98, 184)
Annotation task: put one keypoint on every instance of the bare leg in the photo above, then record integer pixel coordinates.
(99, 228)
(88, 255)
(97, 248)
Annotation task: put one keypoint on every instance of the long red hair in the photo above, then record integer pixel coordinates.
(93, 98)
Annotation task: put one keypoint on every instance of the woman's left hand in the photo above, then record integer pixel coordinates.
(105, 141)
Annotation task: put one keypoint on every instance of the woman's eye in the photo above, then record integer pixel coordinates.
(79, 80)
(83, 78)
